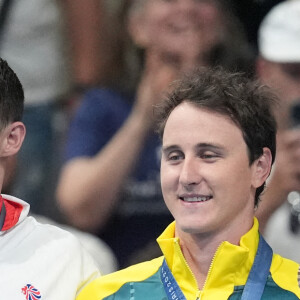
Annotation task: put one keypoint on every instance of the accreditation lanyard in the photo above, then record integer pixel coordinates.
(2, 215)
(255, 284)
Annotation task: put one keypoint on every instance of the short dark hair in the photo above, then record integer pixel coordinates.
(11, 95)
(245, 101)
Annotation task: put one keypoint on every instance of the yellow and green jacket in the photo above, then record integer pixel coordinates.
(226, 278)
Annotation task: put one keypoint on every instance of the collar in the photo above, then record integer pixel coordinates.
(230, 266)
(16, 211)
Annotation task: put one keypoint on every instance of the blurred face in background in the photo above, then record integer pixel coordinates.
(178, 27)
(284, 78)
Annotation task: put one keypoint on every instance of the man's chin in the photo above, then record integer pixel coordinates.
(192, 228)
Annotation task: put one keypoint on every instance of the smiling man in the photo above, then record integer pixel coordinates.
(219, 142)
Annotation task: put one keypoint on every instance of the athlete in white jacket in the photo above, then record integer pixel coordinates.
(36, 261)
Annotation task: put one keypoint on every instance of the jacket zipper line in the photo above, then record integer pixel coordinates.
(209, 272)
(178, 249)
(199, 292)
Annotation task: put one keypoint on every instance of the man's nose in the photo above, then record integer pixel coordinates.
(190, 173)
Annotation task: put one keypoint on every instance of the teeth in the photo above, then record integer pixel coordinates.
(196, 199)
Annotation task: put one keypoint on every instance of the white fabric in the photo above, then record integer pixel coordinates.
(100, 251)
(50, 259)
(280, 237)
(279, 33)
(33, 47)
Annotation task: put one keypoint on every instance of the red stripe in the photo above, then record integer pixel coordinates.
(13, 212)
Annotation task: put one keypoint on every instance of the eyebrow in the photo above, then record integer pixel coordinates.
(209, 146)
(169, 148)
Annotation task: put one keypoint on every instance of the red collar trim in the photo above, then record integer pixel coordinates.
(13, 212)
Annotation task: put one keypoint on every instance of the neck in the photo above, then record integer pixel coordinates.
(198, 257)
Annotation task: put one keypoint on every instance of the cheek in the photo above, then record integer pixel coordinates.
(239, 178)
(168, 178)
(229, 174)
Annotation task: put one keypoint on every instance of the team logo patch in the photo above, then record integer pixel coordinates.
(31, 292)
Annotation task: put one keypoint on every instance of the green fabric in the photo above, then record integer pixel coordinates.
(152, 289)
(149, 289)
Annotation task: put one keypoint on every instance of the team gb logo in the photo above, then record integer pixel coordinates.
(31, 292)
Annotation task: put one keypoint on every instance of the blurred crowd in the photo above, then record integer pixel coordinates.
(92, 72)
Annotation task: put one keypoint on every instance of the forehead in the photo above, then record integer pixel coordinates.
(192, 124)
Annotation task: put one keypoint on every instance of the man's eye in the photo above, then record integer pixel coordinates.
(209, 156)
(174, 156)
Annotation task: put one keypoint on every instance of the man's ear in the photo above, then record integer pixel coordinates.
(262, 168)
(12, 138)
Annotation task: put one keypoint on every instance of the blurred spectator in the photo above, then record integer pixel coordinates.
(279, 67)
(90, 41)
(251, 13)
(110, 183)
(34, 43)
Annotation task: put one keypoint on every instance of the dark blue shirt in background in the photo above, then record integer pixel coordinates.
(141, 214)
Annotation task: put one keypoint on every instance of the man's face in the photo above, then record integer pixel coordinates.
(206, 179)
(175, 25)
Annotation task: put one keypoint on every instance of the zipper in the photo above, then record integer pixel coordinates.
(178, 249)
(199, 292)
(209, 272)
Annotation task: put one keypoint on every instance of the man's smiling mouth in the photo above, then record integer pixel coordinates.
(195, 198)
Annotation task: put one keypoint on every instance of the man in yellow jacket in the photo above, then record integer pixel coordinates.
(218, 144)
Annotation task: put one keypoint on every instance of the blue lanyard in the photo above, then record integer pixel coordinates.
(171, 287)
(259, 272)
(255, 284)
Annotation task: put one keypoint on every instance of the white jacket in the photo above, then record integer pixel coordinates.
(41, 260)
